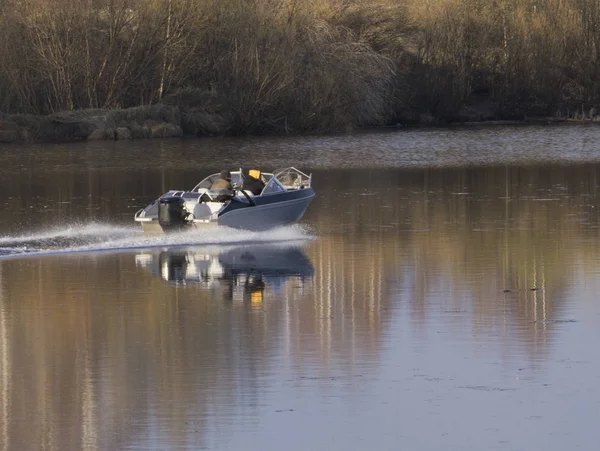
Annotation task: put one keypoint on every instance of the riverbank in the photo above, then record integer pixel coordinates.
(287, 67)
(144, 122)
(165, 121)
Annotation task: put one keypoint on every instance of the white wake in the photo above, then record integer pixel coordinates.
(98, 237)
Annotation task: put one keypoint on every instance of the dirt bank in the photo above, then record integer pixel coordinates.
(154, 121)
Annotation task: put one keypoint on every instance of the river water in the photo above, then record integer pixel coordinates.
(441, 293)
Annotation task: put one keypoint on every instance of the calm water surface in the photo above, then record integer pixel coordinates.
(441, 293)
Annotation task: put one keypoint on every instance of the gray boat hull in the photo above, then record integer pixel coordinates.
(268, 215)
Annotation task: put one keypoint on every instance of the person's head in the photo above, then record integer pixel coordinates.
(254, 173)
(226, 175)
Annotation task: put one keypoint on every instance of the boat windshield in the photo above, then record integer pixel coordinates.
(292, 178)
(237, 178)
(273, 186)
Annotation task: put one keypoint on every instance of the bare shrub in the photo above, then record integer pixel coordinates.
(252, 66)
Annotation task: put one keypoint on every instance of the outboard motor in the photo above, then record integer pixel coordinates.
(171, 213)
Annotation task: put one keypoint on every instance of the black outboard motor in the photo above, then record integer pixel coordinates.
(171, 213)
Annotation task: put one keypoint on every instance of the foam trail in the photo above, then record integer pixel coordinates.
(218, 236)
(95, 237)
(74, 231)
(64, 237)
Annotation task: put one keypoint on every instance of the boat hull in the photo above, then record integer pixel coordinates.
(263, 216)
(267, 212)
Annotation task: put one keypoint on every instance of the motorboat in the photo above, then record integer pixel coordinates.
(243, 272)
(283, 200)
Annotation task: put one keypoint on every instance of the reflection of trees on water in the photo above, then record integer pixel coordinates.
(87, 193)
(95, 349)
(342, 324)
(94, 353)
(456, 239)
(5, 376)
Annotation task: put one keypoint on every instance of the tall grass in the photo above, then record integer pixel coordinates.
(261, 66)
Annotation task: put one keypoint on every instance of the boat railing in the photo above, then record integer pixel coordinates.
(140, 217)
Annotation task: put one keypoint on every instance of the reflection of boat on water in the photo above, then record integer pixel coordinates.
(243, 272)
(283, 200)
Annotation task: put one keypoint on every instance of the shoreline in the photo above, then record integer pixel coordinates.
(164, 121)
(146, 122)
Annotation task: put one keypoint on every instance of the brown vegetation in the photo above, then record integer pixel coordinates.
(254, 66)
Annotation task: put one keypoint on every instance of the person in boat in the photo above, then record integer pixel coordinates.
(222, 188)
(224, 181)
(253, 183)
